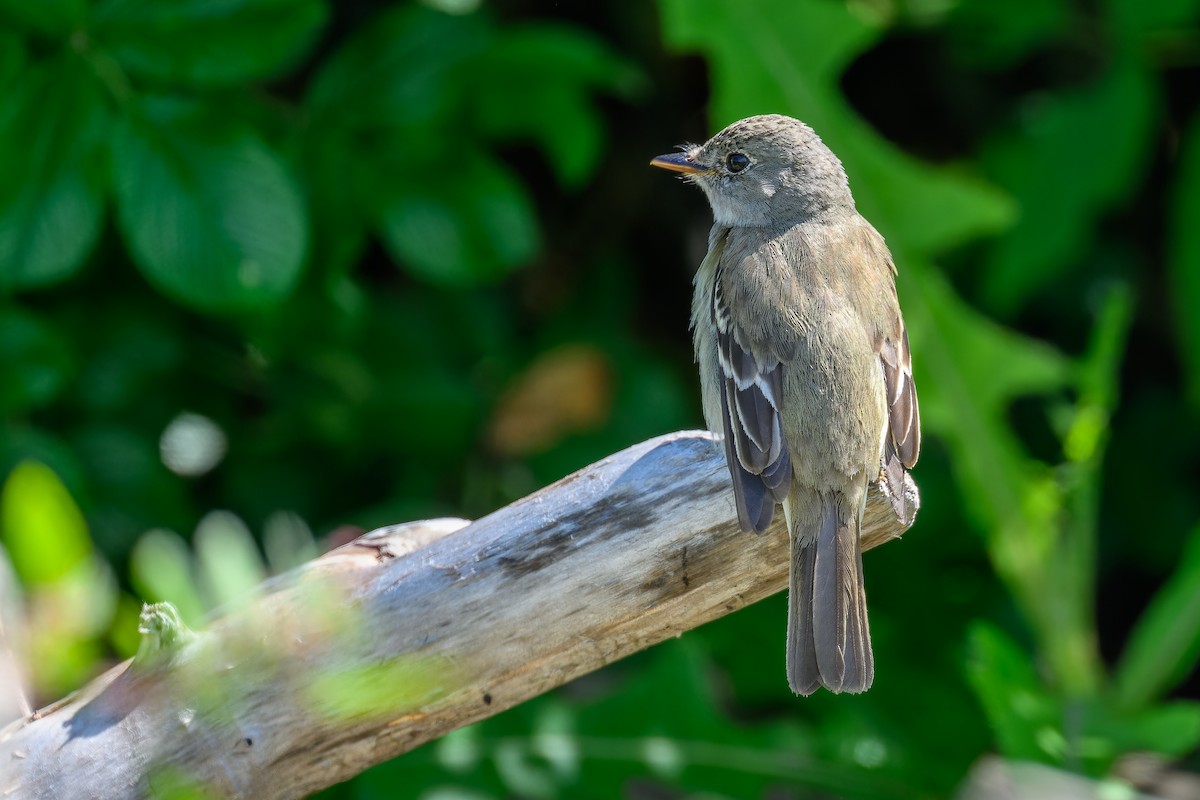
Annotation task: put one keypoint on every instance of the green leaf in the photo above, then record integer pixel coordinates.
(209, 211)
(161, 569)
(50, 17)
(1165, 643)
(968, 371)
(382, 689)
(206, 43)
(1183, 255)
(402, 70)
(52, 132)
(1133, 19)
(557, 67)
(1025, 719)
(40, 525)
(13, 58)
(1074, 156)
(472, 224)
(334, 182)
(1171, 730)
(996, 35)
(393, 90)
(229, 562)
(34, 361)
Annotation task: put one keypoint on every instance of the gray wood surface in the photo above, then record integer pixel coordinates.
(412, 631)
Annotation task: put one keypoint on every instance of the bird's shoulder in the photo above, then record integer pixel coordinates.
(788, 278)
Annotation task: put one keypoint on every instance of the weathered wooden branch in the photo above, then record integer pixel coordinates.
(413, 631)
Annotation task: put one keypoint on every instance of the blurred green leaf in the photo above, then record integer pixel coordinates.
(228, 561)
(392, 89)
(1183, 255)
(1027, 722)
(1099, 369)
(1131, 18)
(998, 34)
(334, 186)
(975, 369)
(1165, 643)
(401, 70)
(288, 542)
(1171, 730)
(167, 782)
(469, 225)
(161, 570)
(206, 43)
(123, 634)
(390, 687)
(49, 17)
(557, 68)
(40, 525)
(34, 361)
(1072, 158)
(208, 209)
(52, 130)
(13, 57)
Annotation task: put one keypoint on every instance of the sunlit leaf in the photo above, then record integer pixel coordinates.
(52, 130)
(161, 569)
(230, 566)
(208, 209)
(41, 527)
(378, 690)
(207, 43)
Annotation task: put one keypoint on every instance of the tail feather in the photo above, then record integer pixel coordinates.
(829, 640)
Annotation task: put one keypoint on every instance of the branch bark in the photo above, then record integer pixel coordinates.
(412, 631)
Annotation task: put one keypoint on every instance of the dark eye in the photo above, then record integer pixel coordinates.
(737, 162)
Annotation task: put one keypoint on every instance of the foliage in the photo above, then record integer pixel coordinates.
(333, 266)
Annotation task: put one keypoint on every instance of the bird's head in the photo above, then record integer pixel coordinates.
(763, 171)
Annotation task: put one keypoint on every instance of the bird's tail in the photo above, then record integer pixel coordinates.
(829, 642)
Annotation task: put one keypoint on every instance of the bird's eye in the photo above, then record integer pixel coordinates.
(737, 162)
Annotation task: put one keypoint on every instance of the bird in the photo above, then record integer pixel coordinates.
(805, 372)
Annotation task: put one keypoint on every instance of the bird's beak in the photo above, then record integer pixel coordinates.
(676, 162)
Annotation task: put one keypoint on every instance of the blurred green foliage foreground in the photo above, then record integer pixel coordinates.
(286, 266)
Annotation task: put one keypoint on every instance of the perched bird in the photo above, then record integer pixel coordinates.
(804, 371)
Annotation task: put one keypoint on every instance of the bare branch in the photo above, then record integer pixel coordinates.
(413, 631)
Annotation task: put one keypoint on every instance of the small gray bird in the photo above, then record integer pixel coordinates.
(804, 371)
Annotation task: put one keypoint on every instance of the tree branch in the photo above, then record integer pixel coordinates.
(412, 631)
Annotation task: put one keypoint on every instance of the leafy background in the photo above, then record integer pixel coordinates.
(274, 271)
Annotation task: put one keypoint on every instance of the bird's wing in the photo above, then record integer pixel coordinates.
(902, 444)
(751, 396)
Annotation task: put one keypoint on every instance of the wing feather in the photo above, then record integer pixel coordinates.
(902, 445)
(750, 399)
